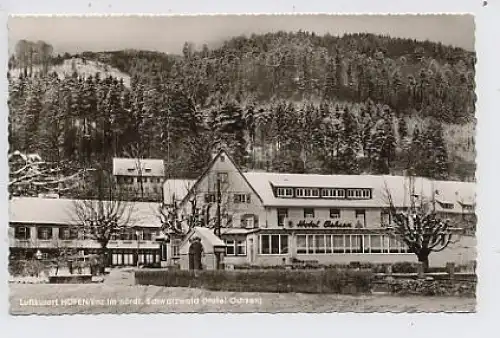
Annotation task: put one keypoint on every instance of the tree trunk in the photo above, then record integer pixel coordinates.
(423, 258)
(103, 259)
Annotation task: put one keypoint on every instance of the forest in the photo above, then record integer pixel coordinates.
(288, 102)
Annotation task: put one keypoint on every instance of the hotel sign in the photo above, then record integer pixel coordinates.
(318, 224)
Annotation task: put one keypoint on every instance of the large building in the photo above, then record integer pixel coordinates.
(276, 218)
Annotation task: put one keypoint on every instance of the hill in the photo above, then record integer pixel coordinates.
(294, 102)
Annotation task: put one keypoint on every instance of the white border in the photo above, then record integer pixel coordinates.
(353, 325)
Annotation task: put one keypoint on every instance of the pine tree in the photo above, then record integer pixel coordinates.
(350, 144)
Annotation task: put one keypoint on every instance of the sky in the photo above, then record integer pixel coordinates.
(168, 34)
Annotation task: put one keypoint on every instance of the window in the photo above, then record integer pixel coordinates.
(284, 192)
(67, 233)
(335, 213)
(359, 193)
(282, 215)
(301, 244)
(360, 218)
(299, 192)
(385, 217)
(366, 244)
(45, 233)
(175, 251)
(222, 177)
(308, 213)
(236, 247)
(22, 232)
(210, 198)
(230, 247)
(311, 192)
(148, 170)
(147, 236)
(248, 222)
(333, 193)
(241, 198)
(241, 248)
(274, 244)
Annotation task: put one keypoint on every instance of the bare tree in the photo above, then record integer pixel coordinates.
(212, 212)
(104, 215)
(30, 174)
(419, 227)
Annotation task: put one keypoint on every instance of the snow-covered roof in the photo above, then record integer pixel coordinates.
(176, 189)
(208, 238)
(130, 166)
(54, 211)
(381, 185)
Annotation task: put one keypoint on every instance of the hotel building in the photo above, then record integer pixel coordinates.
(277, 218)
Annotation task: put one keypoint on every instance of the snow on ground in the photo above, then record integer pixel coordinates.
(84, 68)
(118, 295)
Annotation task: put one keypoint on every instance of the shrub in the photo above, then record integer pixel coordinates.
(405, 267)
(269, 280)
(27, 267)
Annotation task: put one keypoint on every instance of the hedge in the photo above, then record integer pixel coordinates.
(397, 267)
(423, 287)
(316, 281)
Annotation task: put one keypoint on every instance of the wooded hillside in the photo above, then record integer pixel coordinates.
(293, 102)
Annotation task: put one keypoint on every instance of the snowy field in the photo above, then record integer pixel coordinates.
(117, 294)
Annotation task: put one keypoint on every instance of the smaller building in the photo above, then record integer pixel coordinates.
(140, 179)
(201, 249)
(51, 225)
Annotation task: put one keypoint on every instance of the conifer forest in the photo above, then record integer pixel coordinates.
(292, 102)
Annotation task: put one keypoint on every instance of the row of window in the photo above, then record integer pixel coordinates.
(325, 244)
(128, 258)
(138, 179)
(237, 198)
(66, 233)
(330, 244)
(310, 213)
(324, 193)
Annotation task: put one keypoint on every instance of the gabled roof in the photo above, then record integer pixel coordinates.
(207, 236)
(176, 189)
(207, 170)
(131, 166)
(59, 211)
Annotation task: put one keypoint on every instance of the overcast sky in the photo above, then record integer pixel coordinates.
(167, 34)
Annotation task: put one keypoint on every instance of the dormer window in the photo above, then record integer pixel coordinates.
(284, 192)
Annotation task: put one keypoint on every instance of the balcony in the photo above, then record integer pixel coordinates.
(79, 243)
(52, 243)
(132, 244)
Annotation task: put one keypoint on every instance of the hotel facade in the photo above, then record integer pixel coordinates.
(277, 218)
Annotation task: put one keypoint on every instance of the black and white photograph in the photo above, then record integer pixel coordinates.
(241, 164)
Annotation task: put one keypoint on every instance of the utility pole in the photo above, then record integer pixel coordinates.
(218, 225)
